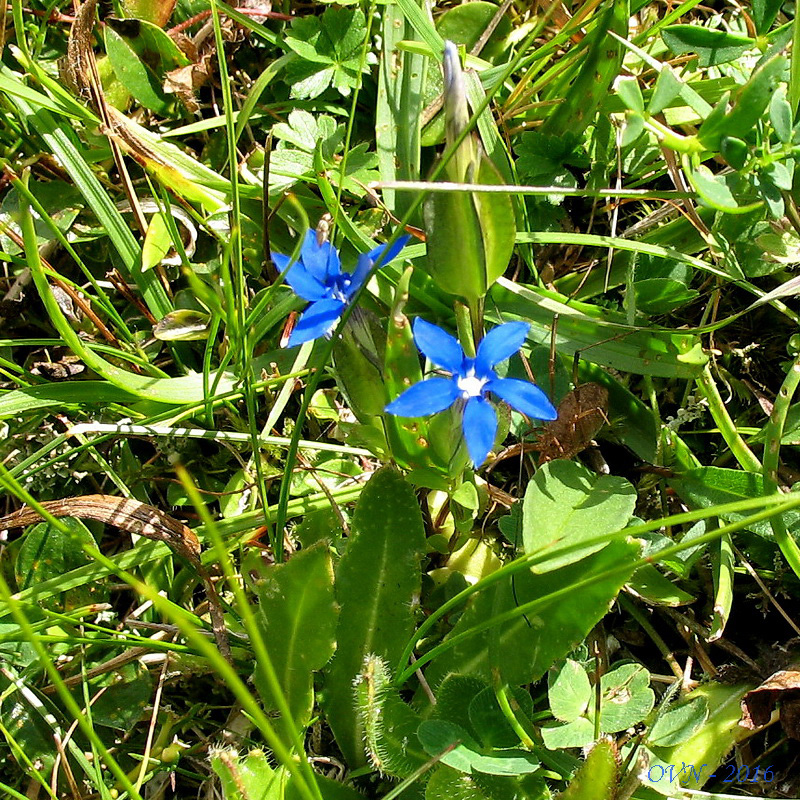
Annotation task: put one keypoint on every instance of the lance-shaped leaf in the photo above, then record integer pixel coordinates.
(298, 615)
(377, 584)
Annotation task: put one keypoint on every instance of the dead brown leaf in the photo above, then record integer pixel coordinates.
(581, 414)
(781, 689)
(140, 519)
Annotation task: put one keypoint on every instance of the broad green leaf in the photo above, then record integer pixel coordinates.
(577, 733)
(297, 613)
(134, 74)
(679, 723)
(714, 739)
(520, 649)
(709, 486)
(599, 334)
(712, 46)
(47, 553)
(447, 783)
(455, 246)
(454, 697)
(156, 11)
(649, 584)
(157, 242)
(752, 99)
(464, 24)
(567, 504)
(150, 43)
(570, 693)
(125, 697)
(248, 777)
(377, 581)
(581, 94)
(764, 13)
(626, 697)
(490, 723)
(628, 89)
(597, 778)
(465, 756)
(780, 115)
(496, 220)
(407, 436)
(358, 356)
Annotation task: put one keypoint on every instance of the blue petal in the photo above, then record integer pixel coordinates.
(377, 253)
(305, 285)
(480, 428)
(317, 320)
(280, 261)
(321, 261)
(360, 273)
(426, 397)
(523, 396)
(439, 346)
(499, 344)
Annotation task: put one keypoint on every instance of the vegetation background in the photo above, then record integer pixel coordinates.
(226, 571)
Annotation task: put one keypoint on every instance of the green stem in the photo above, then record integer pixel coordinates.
(743, 454)
(772, 449)
(465, 328)
(501, 693)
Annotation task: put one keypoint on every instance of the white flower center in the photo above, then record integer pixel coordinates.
(470, 385)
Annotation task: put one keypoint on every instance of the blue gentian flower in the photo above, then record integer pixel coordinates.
(317, 276)
(471, 379)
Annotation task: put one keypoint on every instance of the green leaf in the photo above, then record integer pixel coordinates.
(764, 13)
(678, 723)
(297, 613)
(490, 723)
(734, 151)
(649, 584)
(134, 74)
(248, 777)
(668, 87)
(567, 504)
(155, 11)
(377, 581)
(464, 755)
(662, 295)
(451, 784)
(358, 356)
(712, 47)
(713, 740)
(577, 733)
(150, 43)
(570, 693)
(597, 777)
(628, 89)
(626, 697)
(47, 553)
(521, 649)
(780, 115)
(53, 396)
(330, 46)
(183, 325)
(496, 220)
(466, 23)
(389, 724)
(752, 99)
(455, 246)
(125, 697)
(709, 486)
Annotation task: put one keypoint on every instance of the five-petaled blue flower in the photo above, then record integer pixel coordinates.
(470, 380)
(317, 277)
